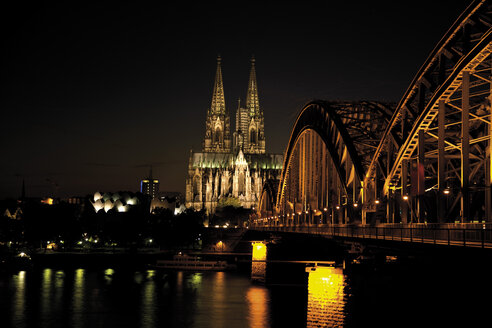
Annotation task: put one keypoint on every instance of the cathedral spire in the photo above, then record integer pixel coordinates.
(218, 100)
(217, 130)
(252, 102)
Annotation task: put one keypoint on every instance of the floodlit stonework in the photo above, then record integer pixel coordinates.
(231, 165)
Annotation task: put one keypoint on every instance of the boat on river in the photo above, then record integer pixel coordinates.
(191, 263)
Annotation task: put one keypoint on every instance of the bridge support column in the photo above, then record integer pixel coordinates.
(404, 192)
(389, 208)
(421, 178)
(465, 147)
(488, 169)
(441, 170)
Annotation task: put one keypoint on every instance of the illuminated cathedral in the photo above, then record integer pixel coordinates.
(231, 166)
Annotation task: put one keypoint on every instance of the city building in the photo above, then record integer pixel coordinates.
(168, 200)
(231, 165)
(118, 201)
(150, 186)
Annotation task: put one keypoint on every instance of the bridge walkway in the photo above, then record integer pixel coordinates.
(465, 235)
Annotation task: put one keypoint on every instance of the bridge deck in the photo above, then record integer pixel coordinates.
(448, 235)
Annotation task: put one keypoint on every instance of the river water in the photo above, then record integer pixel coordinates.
(328, 297)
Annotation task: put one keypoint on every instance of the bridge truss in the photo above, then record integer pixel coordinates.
(423, 160)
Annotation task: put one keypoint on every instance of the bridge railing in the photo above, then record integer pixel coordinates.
(469, 235)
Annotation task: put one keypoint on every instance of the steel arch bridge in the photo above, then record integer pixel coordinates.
(423, 160)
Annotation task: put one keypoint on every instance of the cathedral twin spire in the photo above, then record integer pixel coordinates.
(218, 100)
(217, 134)
(252, 101)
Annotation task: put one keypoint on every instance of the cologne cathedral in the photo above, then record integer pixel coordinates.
(231, 165)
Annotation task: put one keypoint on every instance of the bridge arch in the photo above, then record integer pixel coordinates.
(326, 158)
(266, 206)
(394, 164)
(443, 132)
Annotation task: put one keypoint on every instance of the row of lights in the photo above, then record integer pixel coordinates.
(446, 191)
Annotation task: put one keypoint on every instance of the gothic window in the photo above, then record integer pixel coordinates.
(252, 136)
(196, 185)
(241, 184)
(217, 135)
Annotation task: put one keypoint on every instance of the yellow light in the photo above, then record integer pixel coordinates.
(326, 297)
(258, 298)
(376, 201)
(307, 212)
(259, 251)
(446, 191)
(325, 209)
(405, 197)
(355, 204)
(338, 207)
(258, 256)
(47, 201)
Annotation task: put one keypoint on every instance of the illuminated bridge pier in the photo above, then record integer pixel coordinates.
(419, 170)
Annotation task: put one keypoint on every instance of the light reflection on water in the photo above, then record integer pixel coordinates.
(78, 299)
(148, 308)
(326, 298)
(19, 300)
(149, 298)
(46, 295)
(258, 304)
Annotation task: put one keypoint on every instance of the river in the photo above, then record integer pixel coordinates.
(328, 297)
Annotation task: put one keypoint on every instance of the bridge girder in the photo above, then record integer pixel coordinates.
(432, 148)
(341, 133)
(454, 82)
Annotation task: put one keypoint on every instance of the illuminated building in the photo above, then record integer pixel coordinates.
(236, 165)
(121, 202)
(150, 186)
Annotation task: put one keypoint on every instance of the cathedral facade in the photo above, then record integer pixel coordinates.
(231, 165)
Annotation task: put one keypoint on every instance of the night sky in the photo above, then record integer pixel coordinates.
(92, 95)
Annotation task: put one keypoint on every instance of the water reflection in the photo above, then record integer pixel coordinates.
(108, 275)
(219, 294)
(326, 299)
(114, 298)
(46, 305)
(19, 300)
(148, 308)
(258, 305)
(78, 298)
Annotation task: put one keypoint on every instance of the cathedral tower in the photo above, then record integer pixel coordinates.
(225, 171)
(217, 130)
(254, 136)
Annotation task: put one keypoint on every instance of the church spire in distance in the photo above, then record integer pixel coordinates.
(217, 126)
(252, 101)
(218, 99)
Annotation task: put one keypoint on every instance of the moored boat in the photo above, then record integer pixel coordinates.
(191, 263)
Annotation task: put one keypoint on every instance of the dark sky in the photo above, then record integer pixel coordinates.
(94, 94)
